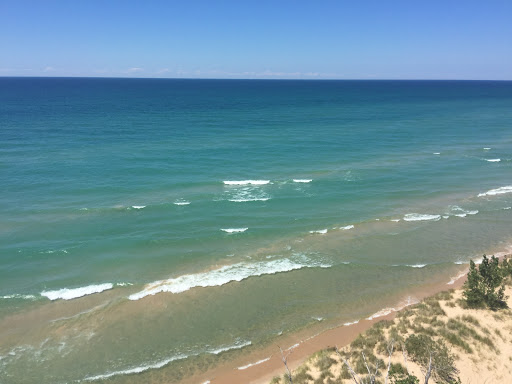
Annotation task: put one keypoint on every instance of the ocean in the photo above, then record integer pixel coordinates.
(153, 229)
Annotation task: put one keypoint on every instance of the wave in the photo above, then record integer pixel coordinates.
(246, 182)
(486, 148)
(253, 364)
(507, 208)
(163, 363)
(395, 220)
(388, 310)
(19, 296)
(351, 323)
(493, 160)
(455, 278)
(223, 275)
(302, 180)
(138, 206)
(416, 265)
(181, 202)
(242, 200)
(421, 217)
(320, 231)
(436, 153)
(73, 293)
(497, 191)
(234, 230)
(347, 227)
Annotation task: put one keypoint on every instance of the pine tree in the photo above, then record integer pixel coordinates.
(473, 287)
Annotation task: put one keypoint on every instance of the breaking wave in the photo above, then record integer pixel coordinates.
(135, 370)
(234, 230)
(421, 217)
(73, 293)
(497, 191)
(224, 275)
(302, 180)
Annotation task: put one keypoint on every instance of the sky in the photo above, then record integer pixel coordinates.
(277, 39)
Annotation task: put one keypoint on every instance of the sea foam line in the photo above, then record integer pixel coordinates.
(19, 296)
(73, 293)
(253, 364)
(386, 311)
(163, 363)
(223, 275)
(320, 231)
(246, 182)
(497, 191)
(181, 202)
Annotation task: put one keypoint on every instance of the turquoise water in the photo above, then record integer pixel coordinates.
(195, 220)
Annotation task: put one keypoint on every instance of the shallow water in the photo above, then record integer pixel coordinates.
(154, 228)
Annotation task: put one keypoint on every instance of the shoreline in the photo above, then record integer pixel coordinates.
(261, 366)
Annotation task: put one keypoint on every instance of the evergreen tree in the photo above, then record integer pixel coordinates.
(473, 287)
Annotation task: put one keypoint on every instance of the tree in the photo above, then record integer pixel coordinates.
(433, 357)
(484, 285)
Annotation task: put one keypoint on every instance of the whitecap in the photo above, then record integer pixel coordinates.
(138, 206)
(241, 200)
(234, 230)
(73, 293)
(497, 191)
(493, 160)
(416, 265)
(253, 364)
(347, 227)
(445, 216)
(421, 217)
(246, 182)
(436, 153)
(181, 202)
(302, 180)
(320, 231)
(507, 208)
(461, 215)
(223, 275)
(123, 284)
(486, 148)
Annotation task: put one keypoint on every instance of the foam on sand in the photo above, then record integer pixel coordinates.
(302, 180)
(160, 364)
(421, 217)
(73, 293)
(497, 191)
(224, 275)
(234, 230)
(253, 364)
(246, 182)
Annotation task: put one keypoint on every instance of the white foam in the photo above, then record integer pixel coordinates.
(123, 284)
(351, 323)
(73, 293)
(493, 160)
(234, 230)
(293, 347)
(436, 153)
(416, 265)
(223, 275)
(320, 231)
(486, 148)
(302, 180)
(18, 296)
(497, 191)
(445, 216)
(395, 220)
(138, 206)
(246, 182)
(386, 311)
(163, 363)
(181, 202)
(421, 217)
(242, 200)
(253, 364)
(318, 318)
(507, 208)
(347, 227)
(461, 215)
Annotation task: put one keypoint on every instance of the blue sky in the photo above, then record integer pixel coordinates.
(359, 39)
